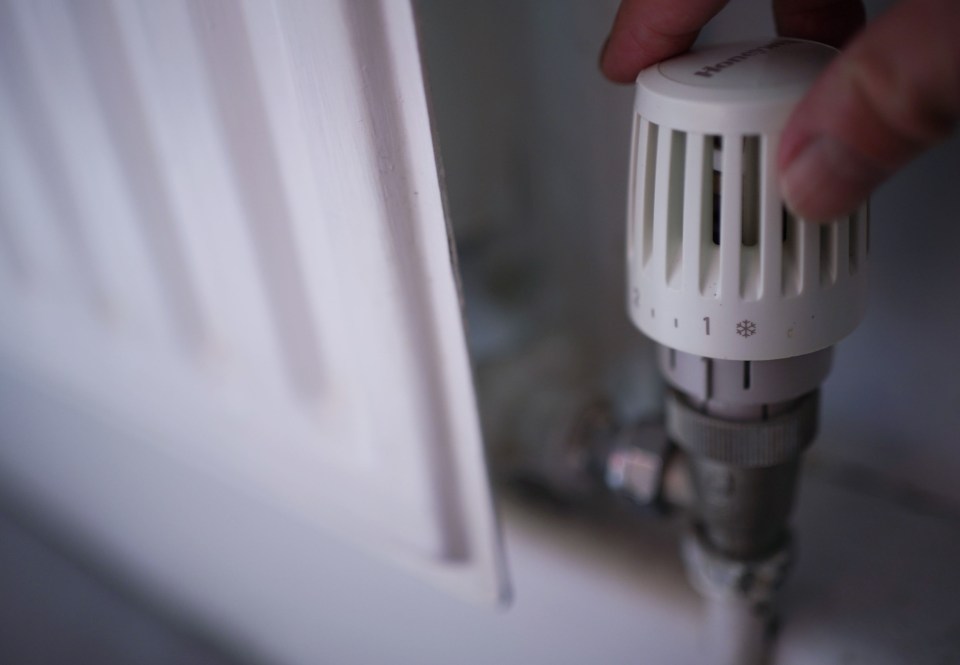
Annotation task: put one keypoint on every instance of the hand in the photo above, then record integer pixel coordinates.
(893, 92)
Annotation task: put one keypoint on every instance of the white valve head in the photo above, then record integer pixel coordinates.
(717, 266)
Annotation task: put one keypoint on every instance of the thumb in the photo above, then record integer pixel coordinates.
(893, 93)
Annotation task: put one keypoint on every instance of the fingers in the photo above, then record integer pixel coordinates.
(647, 31)
(894, 92)
(828, 21)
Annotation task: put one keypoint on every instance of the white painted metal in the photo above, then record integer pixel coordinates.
(718, 267)
(223, 233)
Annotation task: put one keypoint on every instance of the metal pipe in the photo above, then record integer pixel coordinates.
(737, 632)
(740, 618)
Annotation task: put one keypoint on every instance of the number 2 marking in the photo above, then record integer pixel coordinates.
(706, 321)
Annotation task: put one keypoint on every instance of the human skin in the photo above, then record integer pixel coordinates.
(893, 92)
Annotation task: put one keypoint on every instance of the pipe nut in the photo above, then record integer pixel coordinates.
(636, 463)
(716, 575)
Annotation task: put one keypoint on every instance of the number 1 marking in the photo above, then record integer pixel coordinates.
(706, 320)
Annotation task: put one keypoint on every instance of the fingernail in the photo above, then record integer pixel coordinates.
(827, 180)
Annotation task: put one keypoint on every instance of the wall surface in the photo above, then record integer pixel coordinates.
(527, 124)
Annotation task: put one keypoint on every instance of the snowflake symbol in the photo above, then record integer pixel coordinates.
(746, 328)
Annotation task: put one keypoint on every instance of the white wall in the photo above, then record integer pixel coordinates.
(535, 144)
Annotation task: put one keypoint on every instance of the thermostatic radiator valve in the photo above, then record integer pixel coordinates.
(745, 301)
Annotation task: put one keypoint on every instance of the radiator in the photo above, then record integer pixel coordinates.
(222, 234)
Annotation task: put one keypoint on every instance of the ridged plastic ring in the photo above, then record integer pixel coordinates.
(744, 444)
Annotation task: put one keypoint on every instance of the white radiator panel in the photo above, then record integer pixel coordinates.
(221, 228)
